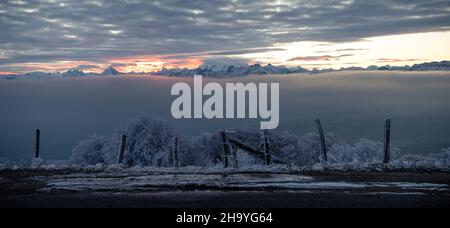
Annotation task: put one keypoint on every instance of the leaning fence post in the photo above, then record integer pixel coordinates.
(322, 141)
(266, 145)
(225, 148)
(175, 151)
(123, 142)
(37, 143)
(387, 141)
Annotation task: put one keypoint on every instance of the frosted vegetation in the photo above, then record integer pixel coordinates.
(150, 141)
(149, 146)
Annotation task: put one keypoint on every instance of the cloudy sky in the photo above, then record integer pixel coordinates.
(143, 35)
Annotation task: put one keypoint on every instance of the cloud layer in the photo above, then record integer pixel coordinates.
(96, 31)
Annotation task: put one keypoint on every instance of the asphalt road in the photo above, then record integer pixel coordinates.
(208, 199)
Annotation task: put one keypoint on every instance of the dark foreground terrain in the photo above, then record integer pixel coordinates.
(192, 199)
(79, 188)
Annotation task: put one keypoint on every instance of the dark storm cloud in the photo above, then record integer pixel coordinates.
(56, 30)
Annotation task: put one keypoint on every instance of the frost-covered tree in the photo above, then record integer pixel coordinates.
(149, 142)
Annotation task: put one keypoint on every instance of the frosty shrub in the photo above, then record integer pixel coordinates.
(445, 157)
(364, 151)
(251, 138)
(430, 160)
(149, 142)
(91, 151)
(310, 150)
(37, 163)
(290, 148)
(284, 146)
(9, 164)
(206, 150)
(188, 154)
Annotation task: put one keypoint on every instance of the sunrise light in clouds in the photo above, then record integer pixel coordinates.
(146, 36)
(395, 50)
(152, 63)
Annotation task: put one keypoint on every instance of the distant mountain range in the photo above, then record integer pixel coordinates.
(232, 71)
(257, 69)
(110, 71)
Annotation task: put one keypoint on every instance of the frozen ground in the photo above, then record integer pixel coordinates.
(198, 187)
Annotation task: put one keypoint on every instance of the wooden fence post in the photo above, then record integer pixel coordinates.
(387, 142)
(322, 140)
(175, 151)
(37, 143)
(233, 151)
(266, 146)
(123, 143)
(226, 151)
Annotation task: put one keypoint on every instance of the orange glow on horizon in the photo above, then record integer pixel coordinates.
(124, 64)
(6, 73)
(152, 63)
